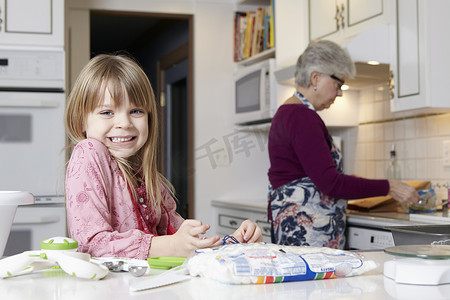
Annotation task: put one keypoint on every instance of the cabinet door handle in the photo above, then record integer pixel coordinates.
(233, 223)
(342, 16)
(391, 84)
(336, 17)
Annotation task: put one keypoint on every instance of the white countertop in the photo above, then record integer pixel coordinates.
(242, 204)
(372, 285)
(354, 217)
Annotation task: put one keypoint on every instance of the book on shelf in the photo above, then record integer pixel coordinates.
(253, 32)
(240, 23)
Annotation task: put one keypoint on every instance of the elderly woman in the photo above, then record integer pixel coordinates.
(307, 187)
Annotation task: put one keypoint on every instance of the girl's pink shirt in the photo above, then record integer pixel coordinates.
(100, 212)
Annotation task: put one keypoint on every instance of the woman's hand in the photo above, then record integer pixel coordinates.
(248, 232)
(402, 192)
(187, 239)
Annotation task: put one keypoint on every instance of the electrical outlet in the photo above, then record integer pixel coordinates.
(446, 153)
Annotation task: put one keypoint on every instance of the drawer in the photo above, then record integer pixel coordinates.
(265, 227)
(230, 222)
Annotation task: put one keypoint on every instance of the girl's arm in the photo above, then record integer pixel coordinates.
(189, 238)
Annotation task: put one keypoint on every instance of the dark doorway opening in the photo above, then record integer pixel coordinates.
(153, 39)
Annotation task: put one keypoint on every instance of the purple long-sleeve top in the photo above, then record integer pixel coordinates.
(299, 147)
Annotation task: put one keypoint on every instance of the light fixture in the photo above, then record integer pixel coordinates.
(344, 87)
(373, 62)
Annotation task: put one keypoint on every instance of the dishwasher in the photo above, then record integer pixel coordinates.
(370, 231)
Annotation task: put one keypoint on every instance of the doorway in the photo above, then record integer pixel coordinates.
(175, 134)
(161, 43)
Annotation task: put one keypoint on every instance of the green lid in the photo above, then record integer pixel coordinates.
(59, 243)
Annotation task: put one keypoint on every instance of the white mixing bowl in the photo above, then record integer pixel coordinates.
(9, 200)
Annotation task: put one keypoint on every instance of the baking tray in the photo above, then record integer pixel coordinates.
(420, 235)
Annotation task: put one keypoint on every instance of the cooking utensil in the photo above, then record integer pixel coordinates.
(73, 263)
(137, 271)
(432, 262)
(136, 267)
(171, 276)
(9, 200)
(418, 271)
(165, 262)
(114, 266)
(420, 251)
(422, 234)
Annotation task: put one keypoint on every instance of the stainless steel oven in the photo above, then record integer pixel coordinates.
(32, 140)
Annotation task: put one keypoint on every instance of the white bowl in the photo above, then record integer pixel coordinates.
(9, 200)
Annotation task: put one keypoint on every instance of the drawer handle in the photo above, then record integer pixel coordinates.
(266, 229)
(233, 223)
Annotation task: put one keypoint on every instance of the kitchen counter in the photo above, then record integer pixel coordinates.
(365, 230)
(354, 217)
(55, 284)
(378, 219)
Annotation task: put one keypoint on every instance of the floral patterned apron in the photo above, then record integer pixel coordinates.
(301, 215)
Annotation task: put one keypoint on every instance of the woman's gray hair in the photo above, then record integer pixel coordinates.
(325, 57)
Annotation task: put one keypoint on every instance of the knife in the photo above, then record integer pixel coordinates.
(171, 276)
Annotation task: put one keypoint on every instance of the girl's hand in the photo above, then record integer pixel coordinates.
(183, 242)
(248, 232)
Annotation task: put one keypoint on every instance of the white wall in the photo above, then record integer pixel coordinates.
(245, 175)
(417, 137)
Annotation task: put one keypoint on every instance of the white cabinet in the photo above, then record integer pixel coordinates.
(291, 31)
(339, 20)
(420, 73)
(32, 22)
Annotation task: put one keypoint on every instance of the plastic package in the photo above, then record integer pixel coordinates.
(270, 263)
(427, 203)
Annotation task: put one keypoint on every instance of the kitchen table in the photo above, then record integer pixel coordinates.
(372, 285)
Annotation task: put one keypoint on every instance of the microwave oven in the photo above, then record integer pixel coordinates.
(255, 93)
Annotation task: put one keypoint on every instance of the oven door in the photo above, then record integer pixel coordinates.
(32, 141)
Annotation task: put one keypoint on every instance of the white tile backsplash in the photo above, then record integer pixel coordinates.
(410, 128)
(418, 140)
(389, 131)
(421, 148)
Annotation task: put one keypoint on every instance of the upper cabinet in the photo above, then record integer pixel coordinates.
(32, 22)
(291, 31)
(420, 74)
(339, 20)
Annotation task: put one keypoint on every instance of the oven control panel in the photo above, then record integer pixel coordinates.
(32, 69)
(368, 239)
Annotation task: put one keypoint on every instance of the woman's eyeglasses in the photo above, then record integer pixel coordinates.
(339, 81)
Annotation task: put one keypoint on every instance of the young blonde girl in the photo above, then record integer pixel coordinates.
(118, 204)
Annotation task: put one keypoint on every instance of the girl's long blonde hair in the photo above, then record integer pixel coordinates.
(122, 76)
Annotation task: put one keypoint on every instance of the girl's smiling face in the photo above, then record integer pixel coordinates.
(123, 129)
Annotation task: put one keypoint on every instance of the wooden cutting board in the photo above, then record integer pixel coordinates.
(384, 203)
